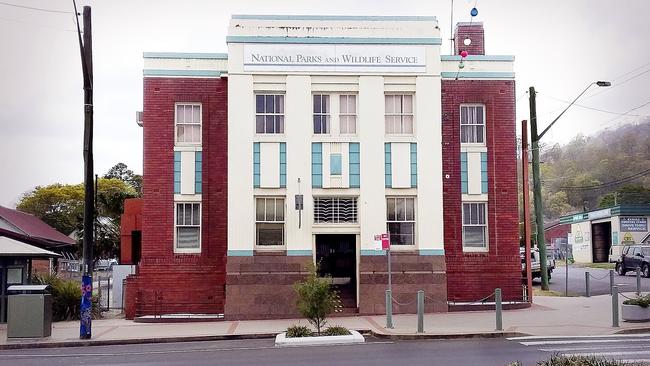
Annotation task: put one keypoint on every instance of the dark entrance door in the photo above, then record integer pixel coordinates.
(336, 256)
(601, 241)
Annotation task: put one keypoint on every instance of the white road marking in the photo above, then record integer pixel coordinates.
(584, 341)
(524, 338)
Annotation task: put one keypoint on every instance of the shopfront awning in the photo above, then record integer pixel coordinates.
(14, 248)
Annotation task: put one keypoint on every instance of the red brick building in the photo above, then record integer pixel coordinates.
(262, 160)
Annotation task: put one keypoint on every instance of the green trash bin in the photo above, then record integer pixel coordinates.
(29, 311)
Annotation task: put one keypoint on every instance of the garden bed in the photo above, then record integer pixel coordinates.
(281, 340)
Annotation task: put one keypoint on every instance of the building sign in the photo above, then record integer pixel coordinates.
(627, 239)
(600, 214)
(634, 224)
(334, 58)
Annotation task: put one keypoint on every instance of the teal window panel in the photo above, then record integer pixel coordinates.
(198, 172)
(355, 165)
(336, 160)
(283, 164)
(317, 165)
(463, 173)
(177, 172)
(256, 165)
(388, 172)
(484, 173)
(414, 165)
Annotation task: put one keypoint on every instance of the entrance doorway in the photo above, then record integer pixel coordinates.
(601, 241)
(336, 256)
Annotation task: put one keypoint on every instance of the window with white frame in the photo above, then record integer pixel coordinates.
(269, 221)
(400, 220)
(348, 114)
(335, 210)
(399, 114)
(269, 113)
(321, 114)
(474, 225)
(188, 123)
(472, 124)
(188, 226)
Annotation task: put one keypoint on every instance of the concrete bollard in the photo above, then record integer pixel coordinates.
(421, 311)
(497, 305)
(614, 306)
(638, 280)
(389, 310)
(587, 288)
(611, 282)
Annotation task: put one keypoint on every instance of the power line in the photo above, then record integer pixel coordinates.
(614, 85)
(37, 9)
(612, 183)
(592, 108)
(625, 114)
(37, 25)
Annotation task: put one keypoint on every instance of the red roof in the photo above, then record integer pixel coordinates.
(32, 226)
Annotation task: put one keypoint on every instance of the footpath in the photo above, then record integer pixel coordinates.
(548, 316)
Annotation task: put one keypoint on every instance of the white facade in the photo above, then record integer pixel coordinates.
(367, 59)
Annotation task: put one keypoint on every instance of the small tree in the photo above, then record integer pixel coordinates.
(316, 300)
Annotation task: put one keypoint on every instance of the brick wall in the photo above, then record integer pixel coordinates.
(181, 282)
(130, 221)
(475, 33)
(471, 276)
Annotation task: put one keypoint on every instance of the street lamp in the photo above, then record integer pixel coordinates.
(537, 184)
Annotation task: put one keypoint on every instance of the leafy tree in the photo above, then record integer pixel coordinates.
(61, 206)
(630, 194)
(121, 172)
(316, 300)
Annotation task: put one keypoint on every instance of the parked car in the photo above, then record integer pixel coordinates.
(535, 263)
(633, 256)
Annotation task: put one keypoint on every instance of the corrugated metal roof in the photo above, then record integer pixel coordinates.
(32, 226)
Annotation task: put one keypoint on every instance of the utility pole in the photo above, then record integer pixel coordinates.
(85, 48)
(537, 187)
(526, 204)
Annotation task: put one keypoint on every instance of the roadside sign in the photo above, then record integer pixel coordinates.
(385, 242)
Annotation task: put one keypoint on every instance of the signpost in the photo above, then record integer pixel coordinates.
(382, 241)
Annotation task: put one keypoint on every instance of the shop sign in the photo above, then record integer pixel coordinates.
(634, 224)
(627, 239)
(600, 214)
(334, 57)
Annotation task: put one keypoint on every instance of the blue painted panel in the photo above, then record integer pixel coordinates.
(336, 162)
(432, 252)
(477, 75)
(186, 55)
(201, 73)
(317, 165)
(198, 172)
(240, 253)
(299, 253)
(484, 173)
(388, 172)
(177, 172)
(335, 17)
(283, 164)
(414, 165)
(464, 180)
(256, 165)
(355, 165)
(478, 58)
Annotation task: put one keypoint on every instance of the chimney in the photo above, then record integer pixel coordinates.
(472, 31)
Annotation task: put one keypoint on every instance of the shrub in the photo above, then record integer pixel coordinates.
(559, 360)
(66, 298)
(642, 301)
(336, 331)
(316, 300)
(296, 331)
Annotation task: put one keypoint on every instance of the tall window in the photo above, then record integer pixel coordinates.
(321, 114)
(474, 225)
(188, 123)
(348, 114)
(335, 210)
(269, 113)
(188, 226)
(400, 220)
(472, 124)
(269, 221)
(399, 114)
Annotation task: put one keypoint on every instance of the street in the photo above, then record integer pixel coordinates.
(599, 281)
(488, 352)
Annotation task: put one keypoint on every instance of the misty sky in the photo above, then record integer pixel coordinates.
(560, 47)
